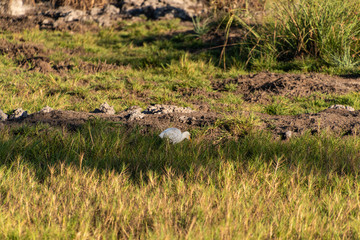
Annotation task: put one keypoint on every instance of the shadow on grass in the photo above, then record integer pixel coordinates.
(111, 147)
(155, 49)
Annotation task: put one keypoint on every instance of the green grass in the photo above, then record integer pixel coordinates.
(155, 64)
(105, 181)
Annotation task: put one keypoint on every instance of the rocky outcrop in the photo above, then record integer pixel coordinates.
(164, 9)
(108, 14)
(15, 7)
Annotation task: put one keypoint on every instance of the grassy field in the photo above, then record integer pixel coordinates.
(105, 181)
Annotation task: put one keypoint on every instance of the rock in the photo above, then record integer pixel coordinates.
(3, 116)
(86, 19)
(110, 10)
(18, 8)
(74, 15)
(164, 9)
(185, 119)
(105, 108)
(134, 113)
(18, 113)
(95, 11)
(58, 23)
(104, 21)
(338, 106)
(288, 135)
(46, 109)
(47, 24)
(163, 109)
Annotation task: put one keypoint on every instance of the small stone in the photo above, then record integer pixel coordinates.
(105, 108)
(288, 134)
(46, 109)
(338, 106)
(74, 15)
(3, 116)
(183, 119)
(165, 109)
(111, 10)
(18, 113)
(95, 11)
(134, 113)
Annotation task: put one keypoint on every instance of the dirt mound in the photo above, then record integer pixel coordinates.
(260, 87)
(34, 58)
(154, 121)
(338, 121)
(18, 24)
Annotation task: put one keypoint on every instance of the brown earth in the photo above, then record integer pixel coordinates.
(34, 57)
(261, 87)
(73, 120)
(339, 121)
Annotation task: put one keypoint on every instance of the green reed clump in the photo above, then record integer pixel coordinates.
(328, 31)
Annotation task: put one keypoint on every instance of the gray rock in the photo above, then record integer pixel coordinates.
(18, 113)
(95, 11)
(74, 15)
(165, 9)
(59, 22)
(47, 24)
(110, 10)
(3, 116)
(185, 119)
(86, 19)
(164, 109)
(134, 113)
(104, 21)
(46, 109)
(64, 10)
(288, 135)
(105, 108)
(18, 8)
(338, 106)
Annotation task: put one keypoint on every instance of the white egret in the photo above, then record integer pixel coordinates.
(174, 135)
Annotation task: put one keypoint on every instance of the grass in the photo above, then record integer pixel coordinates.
(155, 63)
(327, 31)
(108, 182)
(105, 181)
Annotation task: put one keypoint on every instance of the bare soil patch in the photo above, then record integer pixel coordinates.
(18, 24)
(34, 57)
(338, 121)
(261, 87)
(73, 120)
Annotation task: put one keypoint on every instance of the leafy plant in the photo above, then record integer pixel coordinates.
(201, 28)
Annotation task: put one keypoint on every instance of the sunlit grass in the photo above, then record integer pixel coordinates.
(104, 181)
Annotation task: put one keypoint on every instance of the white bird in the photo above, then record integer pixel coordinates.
(174, 135)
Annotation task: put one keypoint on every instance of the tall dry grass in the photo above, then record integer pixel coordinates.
(104, 183)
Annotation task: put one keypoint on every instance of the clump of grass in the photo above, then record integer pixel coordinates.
(328, 30)
(324, 30)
